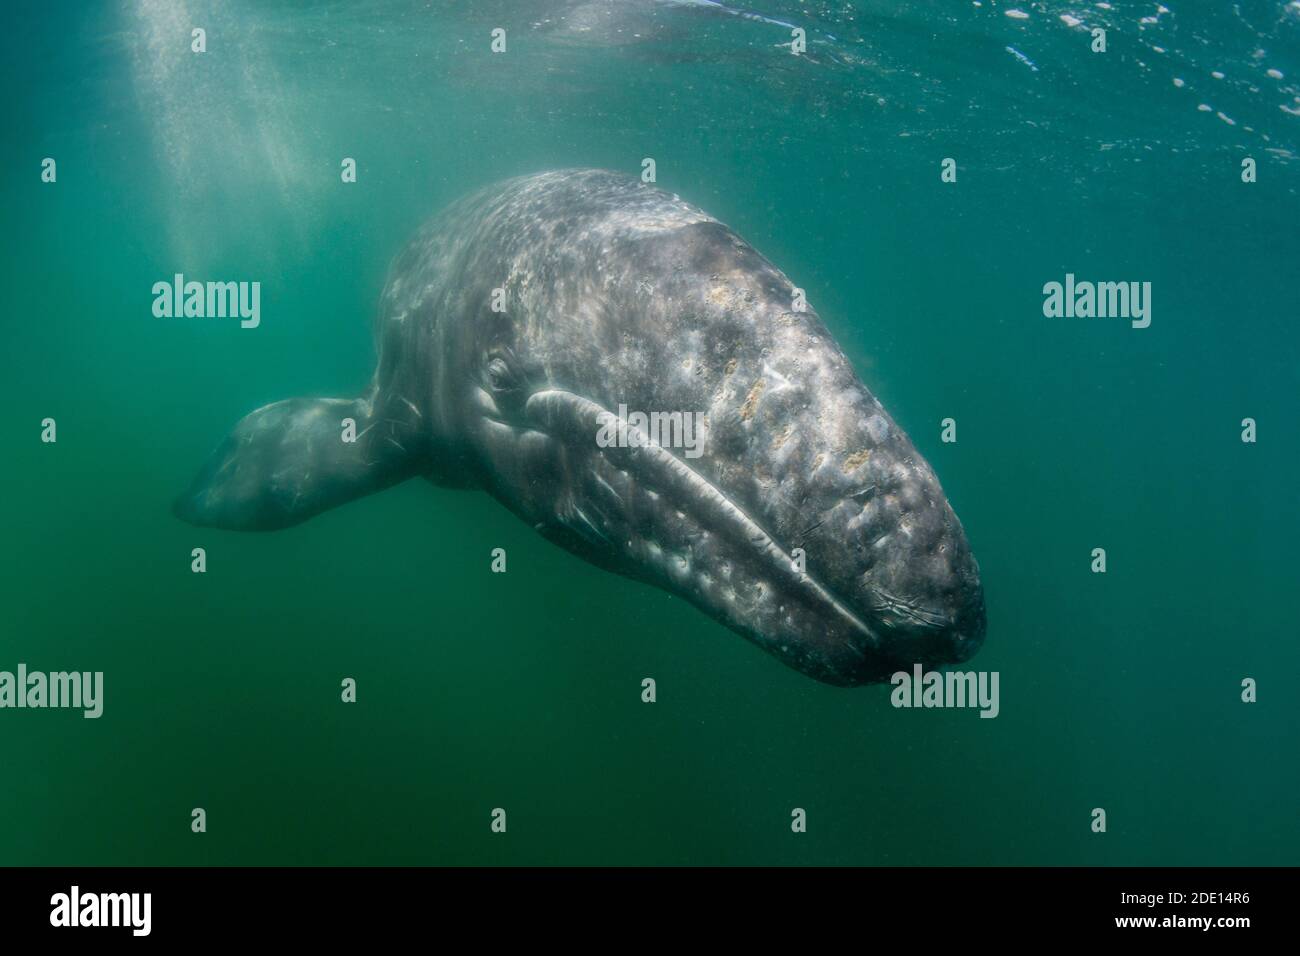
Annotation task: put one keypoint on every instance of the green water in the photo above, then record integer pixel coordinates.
(522, 691)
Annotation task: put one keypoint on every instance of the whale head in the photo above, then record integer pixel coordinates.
(663, 409)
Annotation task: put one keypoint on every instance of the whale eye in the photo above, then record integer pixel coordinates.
(498, 373)
(503, 375)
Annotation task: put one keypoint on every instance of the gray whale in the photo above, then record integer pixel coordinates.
(807, 522)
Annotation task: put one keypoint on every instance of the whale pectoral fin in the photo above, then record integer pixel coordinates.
(289, 461)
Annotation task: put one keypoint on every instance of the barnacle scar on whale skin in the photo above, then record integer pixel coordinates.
(619, 294)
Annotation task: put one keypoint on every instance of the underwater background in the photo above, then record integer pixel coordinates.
(522, 690)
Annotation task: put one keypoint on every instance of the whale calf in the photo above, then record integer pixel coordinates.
(511, 332)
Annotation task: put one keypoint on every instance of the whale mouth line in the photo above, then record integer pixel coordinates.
(566, 415)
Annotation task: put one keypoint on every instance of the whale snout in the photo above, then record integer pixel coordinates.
(897, 555)
(943, 622)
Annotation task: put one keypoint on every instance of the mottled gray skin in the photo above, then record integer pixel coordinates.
(617, 293)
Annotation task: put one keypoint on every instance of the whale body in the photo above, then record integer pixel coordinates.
(515, 331)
